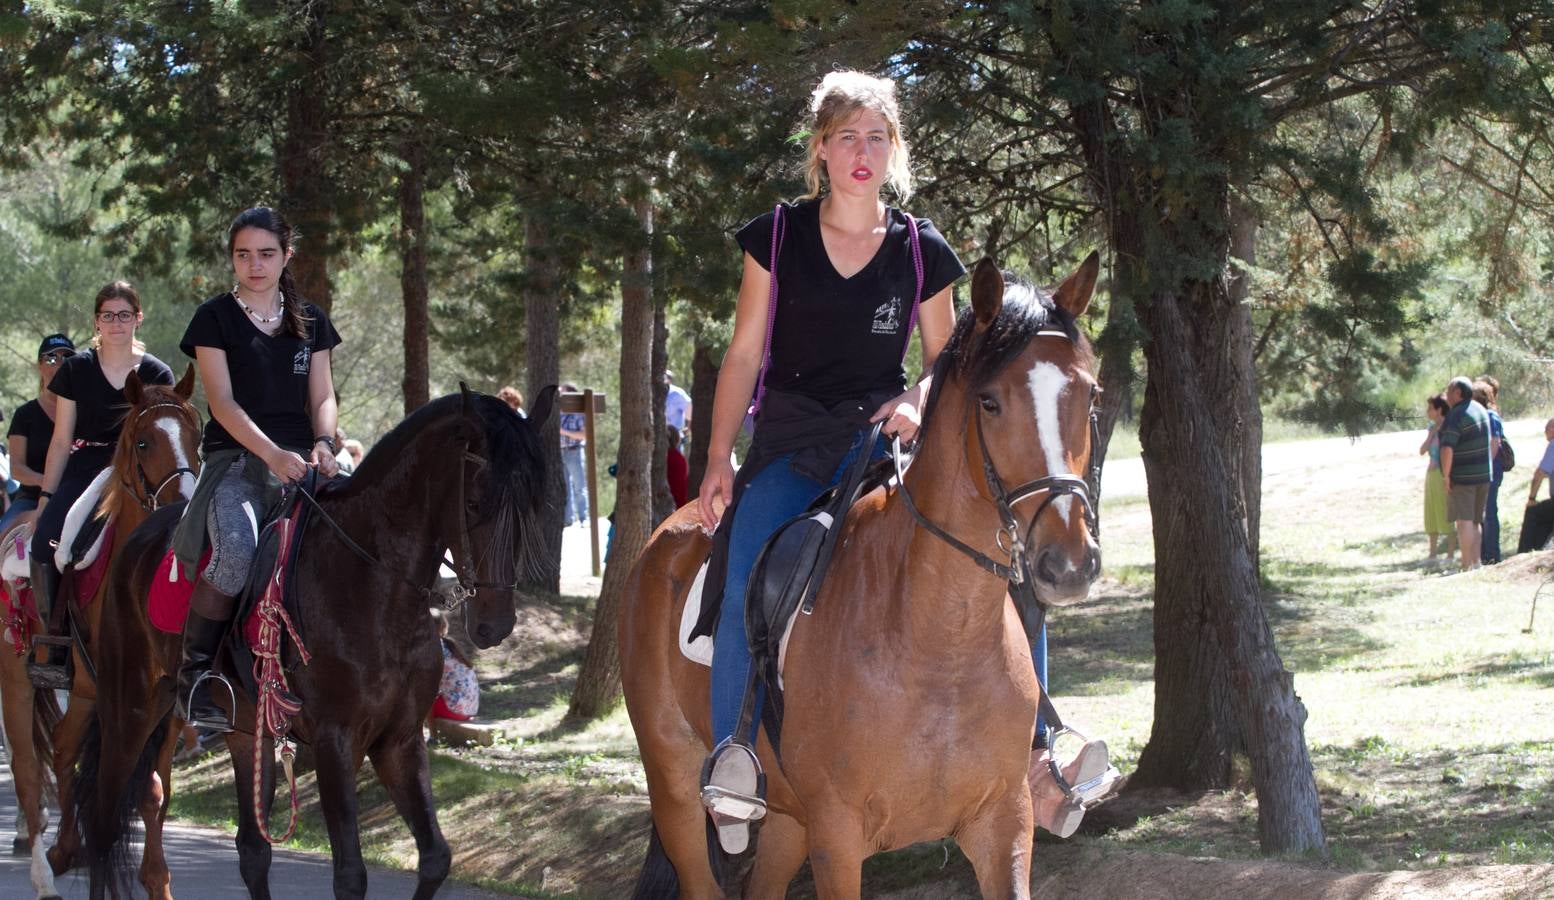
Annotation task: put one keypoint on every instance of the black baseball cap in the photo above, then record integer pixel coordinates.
(55, 342)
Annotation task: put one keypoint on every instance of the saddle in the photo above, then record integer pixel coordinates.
(787, 576)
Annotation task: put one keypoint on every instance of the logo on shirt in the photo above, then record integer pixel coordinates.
(301, 361)
(887, 317)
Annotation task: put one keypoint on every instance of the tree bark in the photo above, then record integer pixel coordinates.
(704, 383)
(599, 680)
(303, 159)
(412, 275)
(1243, 246)
(542, 333)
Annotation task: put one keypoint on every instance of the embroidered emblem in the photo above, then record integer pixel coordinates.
(301, 362)
(887, 317)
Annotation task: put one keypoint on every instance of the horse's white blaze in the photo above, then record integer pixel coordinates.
(1047, 382)
(174, 430)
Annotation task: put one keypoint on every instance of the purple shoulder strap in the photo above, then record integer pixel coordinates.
(779, 226)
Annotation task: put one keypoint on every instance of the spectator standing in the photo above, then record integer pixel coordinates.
(677, 470)
(677, 405)
(513, 398)
(32, 428)
(1437, 526)
(1485, 394)
(573, 438)
(1538, 520)
(1465, 467)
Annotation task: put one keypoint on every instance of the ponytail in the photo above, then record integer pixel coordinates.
(294, 321)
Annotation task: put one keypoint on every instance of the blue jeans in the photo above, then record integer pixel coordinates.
(775, 495)
(18, 506)
(1490, 551)
(577, 485)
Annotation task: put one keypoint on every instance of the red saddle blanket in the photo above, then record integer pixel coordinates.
(168, 604)
(89, 579)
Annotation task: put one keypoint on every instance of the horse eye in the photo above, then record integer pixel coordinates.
(989, 404)
(140, 445)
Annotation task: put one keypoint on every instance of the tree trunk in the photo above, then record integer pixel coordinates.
(663, 501)
(542, 333)
(704, 383)
(599, 680)
(1219, 683)
(412, 275)
(1243, 246)
(303, 160)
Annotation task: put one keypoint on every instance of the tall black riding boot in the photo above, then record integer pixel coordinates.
(210, 611)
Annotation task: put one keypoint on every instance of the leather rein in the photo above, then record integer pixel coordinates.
(462, 564)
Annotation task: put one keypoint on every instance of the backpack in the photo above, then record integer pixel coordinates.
(1506, 460)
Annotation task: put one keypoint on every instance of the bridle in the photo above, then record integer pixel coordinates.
(1009, 538)
(151, 502)
(463, 566)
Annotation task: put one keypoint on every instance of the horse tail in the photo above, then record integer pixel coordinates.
(46, 716)
(106, 819)
(658, 879)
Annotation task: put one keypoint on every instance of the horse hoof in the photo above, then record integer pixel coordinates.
(21, 847)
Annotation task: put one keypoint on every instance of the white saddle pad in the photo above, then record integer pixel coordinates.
(83, 509)
(699, 650)
(13, 556)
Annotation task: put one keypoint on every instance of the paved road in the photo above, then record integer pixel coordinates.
(204, 866)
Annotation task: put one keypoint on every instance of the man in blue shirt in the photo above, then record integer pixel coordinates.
(1466, 452)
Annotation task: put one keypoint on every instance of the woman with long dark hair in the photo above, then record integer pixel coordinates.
(263, 356)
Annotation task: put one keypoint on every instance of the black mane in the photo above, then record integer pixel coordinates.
(978, 357)
(512, 446)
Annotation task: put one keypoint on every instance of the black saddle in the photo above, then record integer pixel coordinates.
(791, 567)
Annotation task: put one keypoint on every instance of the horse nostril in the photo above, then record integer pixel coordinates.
(483, 634)
(1045, 569)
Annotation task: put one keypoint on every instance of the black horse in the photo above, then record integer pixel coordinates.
(461, 474)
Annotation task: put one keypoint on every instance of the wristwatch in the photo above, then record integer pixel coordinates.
(326, 441)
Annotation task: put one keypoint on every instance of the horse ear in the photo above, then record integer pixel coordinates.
(1075, 292)
(185, 386)
(543, 406)
(466, 402)
(987, 291)
(134, 392)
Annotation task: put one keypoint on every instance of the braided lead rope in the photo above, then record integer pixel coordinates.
(273, 708)
(917, 266)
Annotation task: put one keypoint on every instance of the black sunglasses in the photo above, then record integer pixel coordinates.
(55, 358)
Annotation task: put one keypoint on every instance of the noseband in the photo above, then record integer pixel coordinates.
(153, 492)
(1009, 538)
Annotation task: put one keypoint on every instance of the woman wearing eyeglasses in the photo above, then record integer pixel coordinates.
(32, 427)
(89, 408)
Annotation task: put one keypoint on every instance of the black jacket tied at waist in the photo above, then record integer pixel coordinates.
(817, 435)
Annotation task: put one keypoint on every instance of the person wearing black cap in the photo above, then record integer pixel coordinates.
(88, 415)
(32, 427)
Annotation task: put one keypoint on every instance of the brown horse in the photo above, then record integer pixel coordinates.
(27, 726)
(155, 462)
(910, 700)
(462, 473)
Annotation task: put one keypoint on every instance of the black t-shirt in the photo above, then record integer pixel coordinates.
(32, 423)
(269, 373)
(836, 338)
(100, 407)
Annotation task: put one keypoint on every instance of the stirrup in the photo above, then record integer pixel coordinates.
(733, 790)
(219, 726)
(1094, 778)
(50, 675)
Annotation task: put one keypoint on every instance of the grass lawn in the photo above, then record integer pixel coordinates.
(1430, 708)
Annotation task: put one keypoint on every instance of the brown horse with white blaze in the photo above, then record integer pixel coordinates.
(910, 698)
